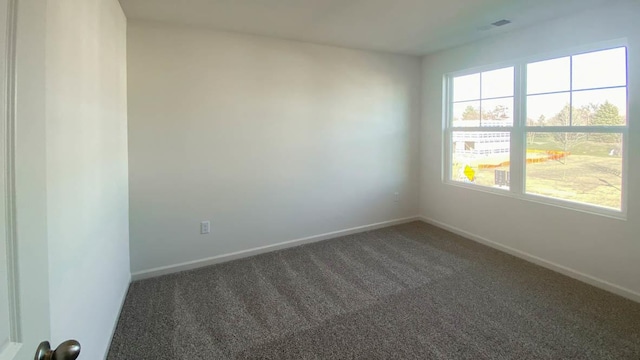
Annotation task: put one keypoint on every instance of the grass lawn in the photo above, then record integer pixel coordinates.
(583, 178)
(587, 175)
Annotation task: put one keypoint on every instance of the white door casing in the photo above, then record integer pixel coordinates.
(6, 300)
(24, 307)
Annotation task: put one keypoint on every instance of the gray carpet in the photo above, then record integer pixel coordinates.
(407, 292)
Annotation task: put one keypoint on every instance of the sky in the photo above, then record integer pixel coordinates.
(593, 77)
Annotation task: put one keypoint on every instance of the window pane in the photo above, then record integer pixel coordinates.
(466, 114)
(600, 69)
(466, 88)
(481, 158)
(548, 110)
(549, 76)
(497, 83)
(497, 112)
(604, 107)
(580, 167)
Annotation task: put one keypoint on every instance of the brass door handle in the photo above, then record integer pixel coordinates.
(68, 350)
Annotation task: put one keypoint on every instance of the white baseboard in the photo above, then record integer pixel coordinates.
(591, 280)
(190, 265)
(115, 323)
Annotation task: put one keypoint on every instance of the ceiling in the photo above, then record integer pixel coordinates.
(402, 26)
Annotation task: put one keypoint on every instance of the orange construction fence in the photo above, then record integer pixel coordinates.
(549, 155)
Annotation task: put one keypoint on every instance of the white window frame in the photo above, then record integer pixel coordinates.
(518, 131)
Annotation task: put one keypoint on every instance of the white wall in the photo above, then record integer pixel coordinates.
(271, 140)
(603, 248)
(87, 191)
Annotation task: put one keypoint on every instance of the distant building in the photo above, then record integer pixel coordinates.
(481, 142)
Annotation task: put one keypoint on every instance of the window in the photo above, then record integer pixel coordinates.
(550, 129)
(481, 102)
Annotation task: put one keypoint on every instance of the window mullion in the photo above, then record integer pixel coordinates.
(518, 143)
(570, 90)
(447, 148)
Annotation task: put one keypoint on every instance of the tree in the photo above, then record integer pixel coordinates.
(470, 113)
(584, 116)
(500, 112)
(607, 114)
(566, 140)
(563, 118)
(531, 136)
(542, 120)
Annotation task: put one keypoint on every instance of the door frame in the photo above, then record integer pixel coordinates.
(7, 176)
(25, 170)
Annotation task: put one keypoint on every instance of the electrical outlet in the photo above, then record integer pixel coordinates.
(205, 227)
(396, 197)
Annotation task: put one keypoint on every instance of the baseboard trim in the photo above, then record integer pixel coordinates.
(115, 323)
(591, 280)
(190, 265)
